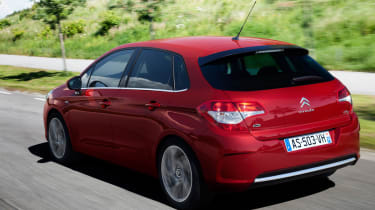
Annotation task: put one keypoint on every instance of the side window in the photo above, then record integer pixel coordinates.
(180, 74)
(153, 70)
(108, 71)
(85, 77)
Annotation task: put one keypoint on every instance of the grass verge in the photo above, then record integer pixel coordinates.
(364, 106)
(32, 80)
(42, 81)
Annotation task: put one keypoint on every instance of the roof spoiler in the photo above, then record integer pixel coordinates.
(256, 50)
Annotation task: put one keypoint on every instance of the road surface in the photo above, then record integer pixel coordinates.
(30, 180)
(357, 82)
(76, 65)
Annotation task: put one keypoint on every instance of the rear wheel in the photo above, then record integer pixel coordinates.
(179, 176)
(58, 140)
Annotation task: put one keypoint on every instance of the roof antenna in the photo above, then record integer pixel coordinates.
(251, 10)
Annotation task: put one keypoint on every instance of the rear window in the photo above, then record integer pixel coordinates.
(264, 71)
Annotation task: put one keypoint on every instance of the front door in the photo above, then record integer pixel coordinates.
(90, 112)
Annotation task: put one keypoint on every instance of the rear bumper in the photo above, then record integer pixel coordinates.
(241, 162)
(310, 170)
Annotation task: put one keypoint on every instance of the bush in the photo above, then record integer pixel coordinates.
(46, 32)
(110, 20)
(4, 23)
(73, 28)
(17, 34)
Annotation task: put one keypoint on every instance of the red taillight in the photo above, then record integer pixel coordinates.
(344, 96)
(230, 115)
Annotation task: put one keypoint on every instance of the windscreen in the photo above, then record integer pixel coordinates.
(264, 71)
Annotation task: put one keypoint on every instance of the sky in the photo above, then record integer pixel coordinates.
(9, 6)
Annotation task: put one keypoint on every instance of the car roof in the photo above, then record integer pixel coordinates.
(201, 46)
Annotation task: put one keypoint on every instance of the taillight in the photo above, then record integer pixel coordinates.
(344, 96)
(230, 115)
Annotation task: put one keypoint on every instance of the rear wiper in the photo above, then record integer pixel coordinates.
(304, 79)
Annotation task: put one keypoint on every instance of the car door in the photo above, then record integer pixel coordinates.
(90, 112)
(142, 106)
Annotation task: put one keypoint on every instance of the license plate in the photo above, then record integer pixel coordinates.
(307, 141)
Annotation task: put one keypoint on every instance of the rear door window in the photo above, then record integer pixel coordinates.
(264, 71)
(180, 74)
(108, 71)
(152, 70)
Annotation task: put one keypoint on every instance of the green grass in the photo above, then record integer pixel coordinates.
(364, 106)
(32, 80)
(340, 34)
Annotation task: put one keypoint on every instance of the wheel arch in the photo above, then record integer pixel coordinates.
(53, 111)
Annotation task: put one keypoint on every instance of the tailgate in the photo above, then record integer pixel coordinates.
(296, 110)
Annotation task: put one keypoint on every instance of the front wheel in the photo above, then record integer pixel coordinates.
(179, 176)
(58, 140)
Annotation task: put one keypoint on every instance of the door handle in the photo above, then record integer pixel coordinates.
(152, 105)
(105, 103)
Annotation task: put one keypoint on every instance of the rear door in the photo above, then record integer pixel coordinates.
(90, 114)
(142, 107)
(298, 96)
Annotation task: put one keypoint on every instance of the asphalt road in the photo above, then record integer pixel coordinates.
(357, 82)
(30, 180)
(76, 65)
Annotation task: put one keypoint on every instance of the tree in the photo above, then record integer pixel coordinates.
(149, 11)
(53, 12)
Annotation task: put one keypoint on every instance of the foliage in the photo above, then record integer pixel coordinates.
(149, 10)
(72, 28)
(339, 34)
(17, 34)
(53, 11)
(127, 5)
(46, 32)
(110, 20)
(4, 23)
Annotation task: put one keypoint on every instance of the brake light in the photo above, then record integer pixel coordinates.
(344, 96)
(230, 115)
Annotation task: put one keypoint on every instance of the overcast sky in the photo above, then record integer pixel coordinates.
(9, 6)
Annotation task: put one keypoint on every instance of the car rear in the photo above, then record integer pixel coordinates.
(284, 116)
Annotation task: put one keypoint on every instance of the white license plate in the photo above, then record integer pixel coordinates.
(307, 141)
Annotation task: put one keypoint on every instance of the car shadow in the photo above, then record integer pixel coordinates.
(30, 76)
(271, 195)
(149, 187)
(116, 175)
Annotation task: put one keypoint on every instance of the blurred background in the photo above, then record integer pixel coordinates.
(339, 33)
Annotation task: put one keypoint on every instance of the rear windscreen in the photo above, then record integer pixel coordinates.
(264, 71)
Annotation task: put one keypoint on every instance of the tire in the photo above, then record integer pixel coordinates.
(178, 171)
(59, 140)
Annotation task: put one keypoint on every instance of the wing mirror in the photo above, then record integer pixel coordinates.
(75, 83)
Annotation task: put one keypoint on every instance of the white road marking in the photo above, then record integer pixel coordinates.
(40, 99)
(6, 93)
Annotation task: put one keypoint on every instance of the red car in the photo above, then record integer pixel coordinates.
(206, 114)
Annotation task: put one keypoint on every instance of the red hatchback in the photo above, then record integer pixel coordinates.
(206, 114)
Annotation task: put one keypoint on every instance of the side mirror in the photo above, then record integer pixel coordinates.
(75, 83)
